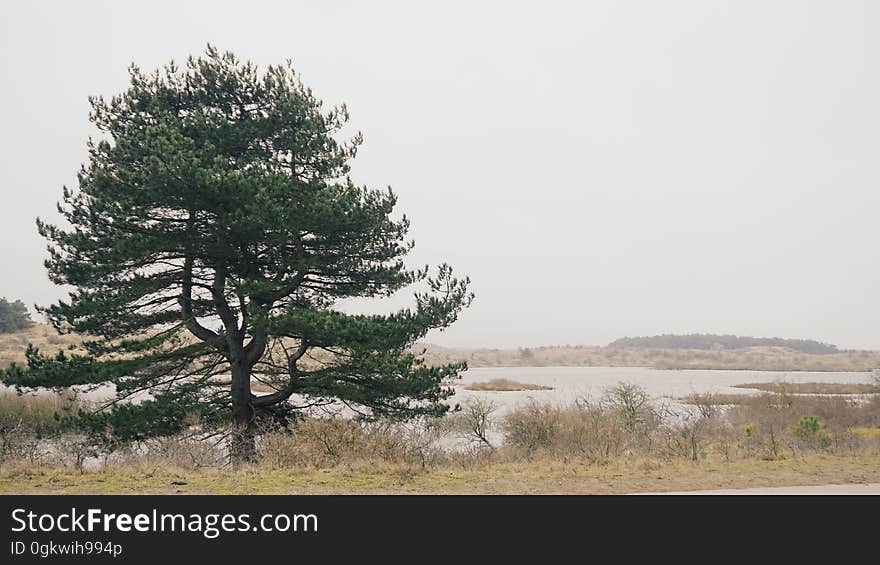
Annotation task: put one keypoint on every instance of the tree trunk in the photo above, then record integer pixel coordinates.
(242, 448)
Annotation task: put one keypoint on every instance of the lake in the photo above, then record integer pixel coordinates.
(572, 383)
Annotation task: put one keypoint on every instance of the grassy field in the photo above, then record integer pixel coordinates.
(543, 477)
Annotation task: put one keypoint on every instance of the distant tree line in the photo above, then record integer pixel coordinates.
(13, 316)
(713, 341)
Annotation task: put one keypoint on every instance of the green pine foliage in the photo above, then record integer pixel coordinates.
(14, 316)
(213, 230)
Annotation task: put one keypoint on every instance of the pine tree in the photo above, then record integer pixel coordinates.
(213, 231)
(13, 316)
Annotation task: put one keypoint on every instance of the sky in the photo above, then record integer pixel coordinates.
(598, 169)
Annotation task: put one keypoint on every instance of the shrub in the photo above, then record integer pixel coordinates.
(633, 404)
(531, 427)
(329, 442)
(810, 431)
(624, 421)
(473, 424)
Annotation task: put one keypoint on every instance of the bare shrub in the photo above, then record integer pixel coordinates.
(531, 427)
(19, 443)
(28, 421)
(624, 423)
(690, 429)
(707, 404)
(773, 424)
(75, 450)
(188, 451)
(620, 423)
(763, 421)
(474, 423)
(325, 442)
(595, 431)
(421, 441)
(633, 404)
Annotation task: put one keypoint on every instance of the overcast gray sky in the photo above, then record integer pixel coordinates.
(599, 169)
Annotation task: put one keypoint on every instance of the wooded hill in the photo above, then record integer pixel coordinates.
(713, 341)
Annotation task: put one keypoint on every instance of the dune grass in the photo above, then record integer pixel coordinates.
(715, 399)
(813, 388)
(13, 345)
(505, 385)
(37, 413)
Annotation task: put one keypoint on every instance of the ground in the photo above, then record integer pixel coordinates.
(497, 478)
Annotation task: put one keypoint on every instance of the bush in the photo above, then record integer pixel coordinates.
(531, 427)
(620, 425)
(633, 405)
(773, 424)
(623, 421)
(810, 432)
(329, 442)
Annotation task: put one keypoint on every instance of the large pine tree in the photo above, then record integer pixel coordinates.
(213, 230)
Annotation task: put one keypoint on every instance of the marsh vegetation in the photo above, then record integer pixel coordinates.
(505, 385)
(623, 429)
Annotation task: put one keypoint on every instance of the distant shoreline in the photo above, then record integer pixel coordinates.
(762, 358)
(472, 366)
(743, 359)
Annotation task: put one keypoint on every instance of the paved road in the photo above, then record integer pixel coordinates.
(870, 488)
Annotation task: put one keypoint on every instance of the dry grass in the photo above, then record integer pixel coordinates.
(505, 385)
(13, 345)
(525, 477)
(715, 399)
(34, 413)
(866, 432)
(813, 388)
(258, 386)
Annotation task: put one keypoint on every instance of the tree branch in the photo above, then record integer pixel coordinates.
(185, 300)
(290, 387)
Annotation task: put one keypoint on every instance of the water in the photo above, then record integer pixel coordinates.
(573, 383)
